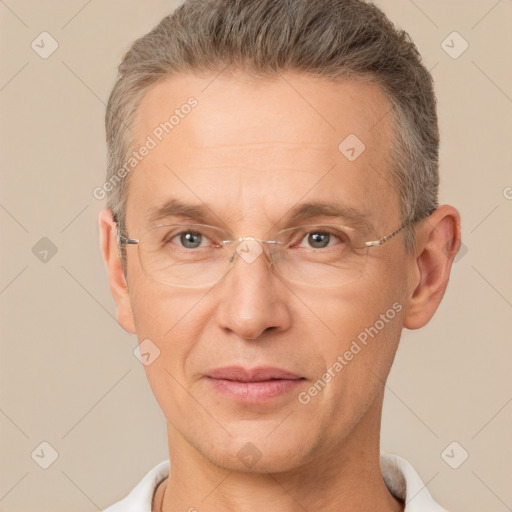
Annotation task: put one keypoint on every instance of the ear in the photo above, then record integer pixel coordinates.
(116, 279)
(438, 241)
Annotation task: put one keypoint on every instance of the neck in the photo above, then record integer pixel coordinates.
(338, 478)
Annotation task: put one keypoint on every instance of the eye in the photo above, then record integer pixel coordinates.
(320, 239)
(187, 239)
(182, 239)
(191, 239)
(317, 240)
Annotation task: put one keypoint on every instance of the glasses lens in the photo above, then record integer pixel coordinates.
(189, 255)
(321, 256)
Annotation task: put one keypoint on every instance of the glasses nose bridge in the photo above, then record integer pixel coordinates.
(271, 244)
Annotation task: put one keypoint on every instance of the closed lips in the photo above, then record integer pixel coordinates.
(260, 374)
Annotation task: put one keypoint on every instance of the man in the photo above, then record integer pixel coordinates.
(272, 227)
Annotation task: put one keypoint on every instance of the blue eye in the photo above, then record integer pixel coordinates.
(318, 240)
(179, 237)
(190, 239)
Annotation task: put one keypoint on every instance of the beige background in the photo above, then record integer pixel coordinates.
(68, 373)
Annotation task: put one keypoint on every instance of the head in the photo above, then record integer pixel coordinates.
(274, 89)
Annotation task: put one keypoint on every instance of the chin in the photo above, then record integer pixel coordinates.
(258, 453)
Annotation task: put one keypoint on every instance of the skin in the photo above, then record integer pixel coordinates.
(251, 150)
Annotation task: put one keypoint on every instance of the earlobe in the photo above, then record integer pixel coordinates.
(116, 278)
(438, 242)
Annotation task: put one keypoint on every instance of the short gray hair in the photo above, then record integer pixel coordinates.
(332, 39)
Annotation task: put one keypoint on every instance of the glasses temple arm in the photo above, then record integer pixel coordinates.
(392, 234)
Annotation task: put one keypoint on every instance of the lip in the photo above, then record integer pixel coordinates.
(258, 374)
(255, 385)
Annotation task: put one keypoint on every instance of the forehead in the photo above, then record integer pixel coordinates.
(253, 147)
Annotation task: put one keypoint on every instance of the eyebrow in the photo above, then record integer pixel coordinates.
(177, 208)
(200, 213)
(330, 209)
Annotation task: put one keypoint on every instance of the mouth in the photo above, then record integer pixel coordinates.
(254, 385)
(259, 374)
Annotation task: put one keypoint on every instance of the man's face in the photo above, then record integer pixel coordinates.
(251, 151)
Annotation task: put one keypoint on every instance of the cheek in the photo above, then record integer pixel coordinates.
(159, 309)
(345, 313)
(364, 328)
(171, 318)
(168, 323)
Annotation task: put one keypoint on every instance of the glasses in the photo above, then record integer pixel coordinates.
(199, 255)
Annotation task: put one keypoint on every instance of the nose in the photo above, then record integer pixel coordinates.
(252, 298)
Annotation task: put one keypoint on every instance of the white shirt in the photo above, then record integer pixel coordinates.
(400, 477)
